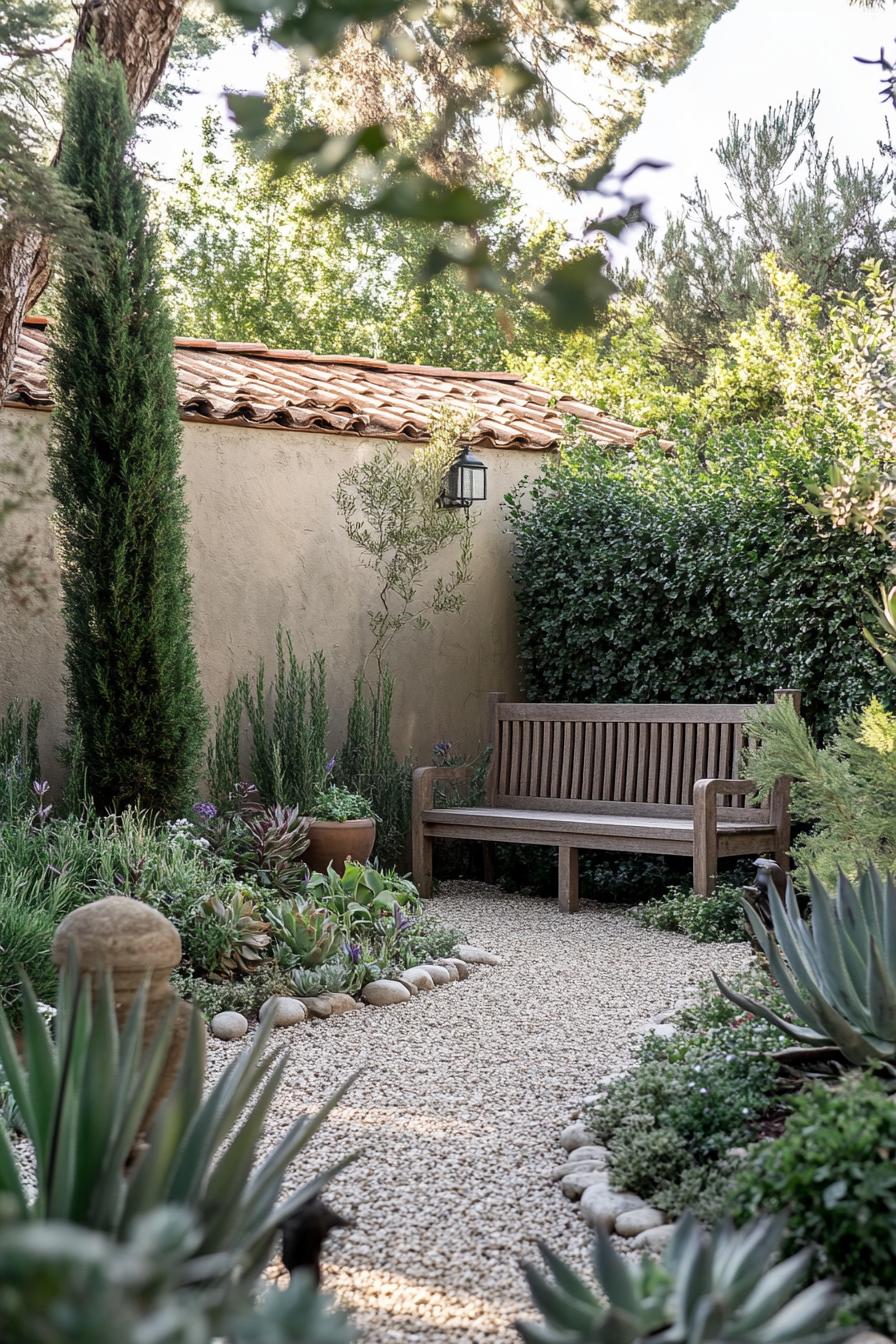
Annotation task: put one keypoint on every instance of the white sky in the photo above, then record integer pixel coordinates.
(753, 58)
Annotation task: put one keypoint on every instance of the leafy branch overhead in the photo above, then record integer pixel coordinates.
(400, 93)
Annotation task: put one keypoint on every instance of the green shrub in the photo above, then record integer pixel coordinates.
(692, 577)
(834, 1170)
(717, 919)
(872, 1306)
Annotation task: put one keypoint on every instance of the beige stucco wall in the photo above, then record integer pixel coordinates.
(267, 547)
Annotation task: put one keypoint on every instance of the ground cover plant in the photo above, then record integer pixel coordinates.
(673, 1119)
(719, 919)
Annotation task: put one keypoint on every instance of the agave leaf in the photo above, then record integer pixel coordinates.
(40, 1065)
(794, 941)
(741, 1265)
(220, 1213)
(614, 1275)
(801, 1316)
(211, 1123)
(302, 1130)
(149, 1185)
(94, 1120)
(805, 1035)
(706, 1318)
(870, 893)
(558, 1307)
(10, 1180)
(881, 995)
(566, 1278)
(888, 922)
(533, 1332)
(776, 1287)
(835, 983)
(856, 1047)
(850, 909)
(17, 1082)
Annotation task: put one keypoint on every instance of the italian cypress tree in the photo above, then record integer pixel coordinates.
(134, 697)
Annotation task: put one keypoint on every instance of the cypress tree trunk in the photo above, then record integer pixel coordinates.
(134, 695)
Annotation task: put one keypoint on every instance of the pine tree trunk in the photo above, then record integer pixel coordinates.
(138, 34)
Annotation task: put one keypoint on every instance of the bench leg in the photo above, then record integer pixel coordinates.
(421, 862)
(705, 866)
(568, 878)
(488, 862)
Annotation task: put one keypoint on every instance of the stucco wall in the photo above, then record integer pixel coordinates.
(267, 547)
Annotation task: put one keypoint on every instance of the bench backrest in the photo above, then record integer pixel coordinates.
(616, 758)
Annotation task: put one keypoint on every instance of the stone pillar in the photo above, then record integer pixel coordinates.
(133, 943)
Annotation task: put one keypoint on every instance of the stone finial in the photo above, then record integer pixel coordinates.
(133, 943)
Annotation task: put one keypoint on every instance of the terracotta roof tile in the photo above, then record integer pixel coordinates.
(246, 383)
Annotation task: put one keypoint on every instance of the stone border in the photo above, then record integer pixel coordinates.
(291, 1012)
(584, 1176)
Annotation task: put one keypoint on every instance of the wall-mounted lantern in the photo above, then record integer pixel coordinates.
(464, 482)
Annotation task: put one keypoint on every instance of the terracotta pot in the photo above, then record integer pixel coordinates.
(335, 841)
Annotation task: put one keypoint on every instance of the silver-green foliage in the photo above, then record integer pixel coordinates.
(725, 1285)
(82, 1093)
(63, 1284)
(837, 970)
(846, 788)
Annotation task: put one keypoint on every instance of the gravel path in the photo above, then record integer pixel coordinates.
(463, 1095)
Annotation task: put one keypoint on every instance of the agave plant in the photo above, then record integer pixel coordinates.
(82, 1093)
(63, 1284)
(249, 936)
(305, 934)
(837, 970)
(717, 1286)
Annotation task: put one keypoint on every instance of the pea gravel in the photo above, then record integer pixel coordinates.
(463, 1094)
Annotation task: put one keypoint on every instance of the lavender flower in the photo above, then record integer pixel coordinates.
(331, 765)
(205, 811)
(353, 952)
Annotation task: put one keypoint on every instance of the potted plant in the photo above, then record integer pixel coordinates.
(343, 827)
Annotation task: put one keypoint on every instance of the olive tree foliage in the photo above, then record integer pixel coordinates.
(248, 260)
(390, 509)
(786, 194)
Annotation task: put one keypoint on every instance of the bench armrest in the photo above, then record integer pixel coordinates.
(425, 778)
(705, 787)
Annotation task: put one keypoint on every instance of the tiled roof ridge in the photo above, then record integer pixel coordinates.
(247, 383)
(258, 350)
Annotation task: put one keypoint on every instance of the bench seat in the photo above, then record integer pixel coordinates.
(437, 820)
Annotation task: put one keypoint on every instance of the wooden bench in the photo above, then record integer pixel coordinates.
(653, 779)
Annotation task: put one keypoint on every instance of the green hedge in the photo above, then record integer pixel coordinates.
(662, 579)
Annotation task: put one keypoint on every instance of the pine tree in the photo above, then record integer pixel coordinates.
(134, 695)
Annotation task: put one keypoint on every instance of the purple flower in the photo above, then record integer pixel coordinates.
(401, 920)
(205, 811)
(41, 787)
(331, 765)
(442, 748)
(353, 952)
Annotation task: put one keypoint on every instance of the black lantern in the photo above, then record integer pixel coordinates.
(464, 482)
